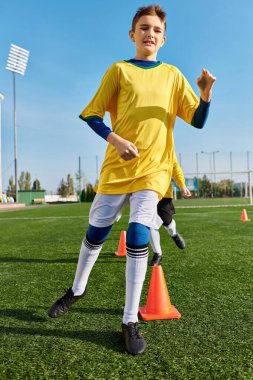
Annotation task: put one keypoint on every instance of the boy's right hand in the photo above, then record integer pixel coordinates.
(126, 149)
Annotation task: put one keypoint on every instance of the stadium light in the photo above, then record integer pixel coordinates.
(1, 187)
(17, 63)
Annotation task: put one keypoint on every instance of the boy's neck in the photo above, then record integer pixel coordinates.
(142, 57)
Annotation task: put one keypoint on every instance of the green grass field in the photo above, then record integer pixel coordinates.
(210, 283)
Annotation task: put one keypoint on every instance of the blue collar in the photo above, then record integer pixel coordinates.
(144, 64)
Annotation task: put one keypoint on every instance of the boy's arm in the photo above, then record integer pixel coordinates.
(97, 125)
(186, 192)
(125, 148)
(177, 174)
(190, 109)
(205, 83)
(179, 179)
(201, 114)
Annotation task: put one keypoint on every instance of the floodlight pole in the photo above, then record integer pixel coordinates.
(1, 187)
(15, 137)
(17, 62)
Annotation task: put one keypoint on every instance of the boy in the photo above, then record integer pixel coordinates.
(143, 96)
(165, 211)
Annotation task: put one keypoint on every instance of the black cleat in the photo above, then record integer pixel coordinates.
(135, 344)
(155, 260)
(179, 241)
(61, 306)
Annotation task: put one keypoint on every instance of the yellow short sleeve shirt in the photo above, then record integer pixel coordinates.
(143, 105)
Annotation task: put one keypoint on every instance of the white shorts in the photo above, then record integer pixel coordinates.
(106, 209)
(158, 222)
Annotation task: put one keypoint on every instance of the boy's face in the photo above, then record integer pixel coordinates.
(148, 37)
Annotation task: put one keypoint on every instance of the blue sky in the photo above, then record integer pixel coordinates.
(71, 45)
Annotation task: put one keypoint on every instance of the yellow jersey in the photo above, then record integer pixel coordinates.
(143, 104)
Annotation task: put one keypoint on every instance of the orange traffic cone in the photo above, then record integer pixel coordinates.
(122, 245)
(158, 302)
(244, 217)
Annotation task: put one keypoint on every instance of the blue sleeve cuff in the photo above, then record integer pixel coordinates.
(201, 114)
(97, 125)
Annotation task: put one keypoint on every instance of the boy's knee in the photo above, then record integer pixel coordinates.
(97, 235)
(137, 234)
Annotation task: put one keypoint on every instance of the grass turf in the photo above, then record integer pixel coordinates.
(210, 283)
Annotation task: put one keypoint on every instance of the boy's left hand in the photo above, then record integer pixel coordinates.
(186, 192)
(205, 83)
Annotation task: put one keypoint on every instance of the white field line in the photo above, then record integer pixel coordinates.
(213, 206)
(123, 216)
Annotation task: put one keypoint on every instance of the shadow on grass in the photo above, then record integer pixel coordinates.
(110, 339)
(22, 315)
(107, 260)
(29, 315)
(31, 260)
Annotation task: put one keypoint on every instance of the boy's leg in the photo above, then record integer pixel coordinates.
(105, 209)
(142, 216)
(89, 252)
(154, 239)
(166, 210)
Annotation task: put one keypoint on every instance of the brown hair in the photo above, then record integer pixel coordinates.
(151, 10)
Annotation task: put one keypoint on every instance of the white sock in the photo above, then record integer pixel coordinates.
(171, 228)
(136, 267)
(154, 237)
(87, 258)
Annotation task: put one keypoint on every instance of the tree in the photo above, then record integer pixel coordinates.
(225, 187)
(70, 185)
(21, 181)
(79, 180)
(62, 189)
(11, 187)
(90, 193)
(205, 187)
(27, 181)
(36, 185)
(83, 196)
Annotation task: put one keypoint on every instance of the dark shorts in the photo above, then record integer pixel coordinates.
(165, 209)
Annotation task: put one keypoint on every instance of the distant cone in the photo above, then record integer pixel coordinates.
(122, 245)
(158, 304)
(244, 217)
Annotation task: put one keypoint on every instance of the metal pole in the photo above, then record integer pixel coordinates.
(15, 138)
(214, 179)
(1, 187)
(197, 170)
(231, 166)
(79, 174)
(211, 172)
(214, 167)
(247, 184)
(250, 188)
(231, 175)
